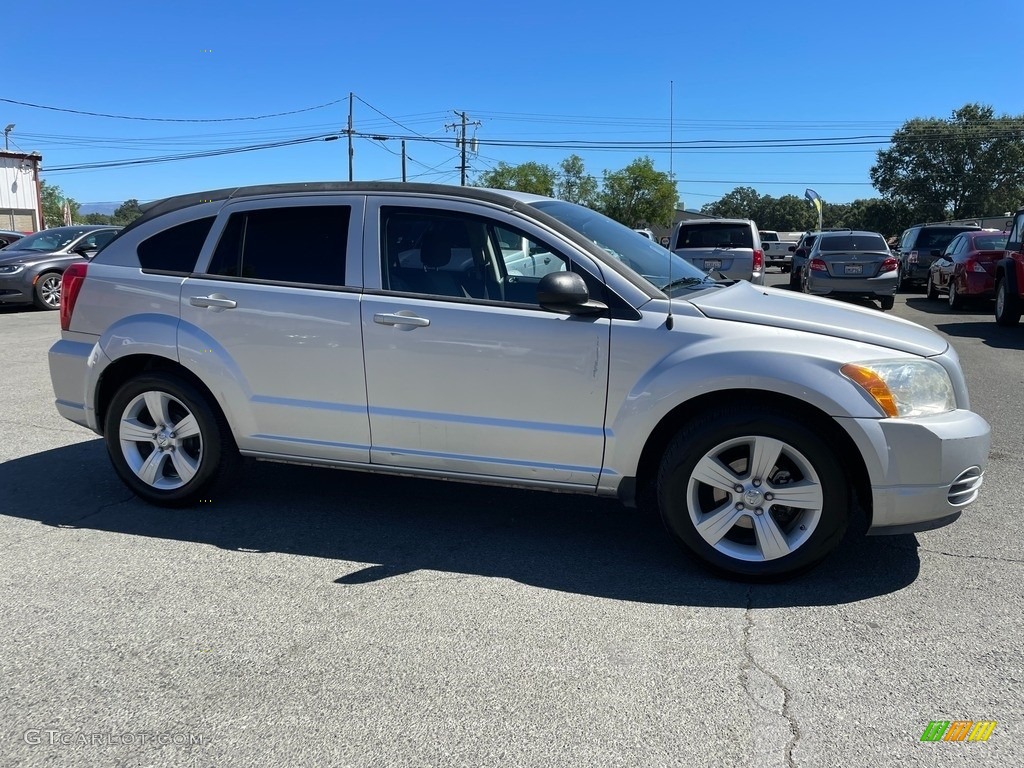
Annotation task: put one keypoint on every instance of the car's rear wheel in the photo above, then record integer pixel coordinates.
(756, 495)
(46, 293)
(956, 301)
(887, 303)
(794, 279)
(167, 443)
(1008, 306)
(932, 292)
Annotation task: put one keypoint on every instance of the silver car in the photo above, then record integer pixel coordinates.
(497, 337)
(727, 247)
(852, 264)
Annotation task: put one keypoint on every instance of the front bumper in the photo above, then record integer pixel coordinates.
(923, 471)
(15, 289)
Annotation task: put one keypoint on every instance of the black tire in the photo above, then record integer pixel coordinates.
(722, 442)
(794, 279)
(46, 292)
(210, 455)
(931, 291)
(887, 303)
(1008, 306)
(956, 301)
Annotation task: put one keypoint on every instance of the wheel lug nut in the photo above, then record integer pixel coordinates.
(757, 483)
(769, 496)
(738, 488)
(740, 506)
(759, 511)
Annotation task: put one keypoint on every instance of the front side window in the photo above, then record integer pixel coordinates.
(293, 244)
(1013, 242)
(461, 256)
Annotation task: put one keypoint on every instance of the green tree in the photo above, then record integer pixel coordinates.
(575, 184)
(96, 218)
(126, 212)
(741, 203)
(531, 177)
(53, 205)
(788, 213)
(638, 195)
(969, 165)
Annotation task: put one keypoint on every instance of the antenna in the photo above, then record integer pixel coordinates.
(671, 111)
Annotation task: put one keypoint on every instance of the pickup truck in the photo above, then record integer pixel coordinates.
(778, 248)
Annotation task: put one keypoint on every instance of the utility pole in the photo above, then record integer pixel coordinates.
(403, 159)
(461, 141)
(351, 152)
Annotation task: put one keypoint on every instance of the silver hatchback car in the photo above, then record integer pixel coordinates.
(498, 337)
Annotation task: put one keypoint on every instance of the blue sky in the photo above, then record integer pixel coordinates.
(528, 71)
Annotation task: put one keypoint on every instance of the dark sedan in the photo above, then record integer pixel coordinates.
(967, 267)
(30, 268)
(8, 236)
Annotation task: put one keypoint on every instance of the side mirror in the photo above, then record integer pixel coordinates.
(936, 253)
(566, 292)
(85, 251)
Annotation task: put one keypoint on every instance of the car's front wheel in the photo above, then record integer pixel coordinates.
(756, 495)
(46, 294)
(931, 291)
(166, 442)
(1008, 306)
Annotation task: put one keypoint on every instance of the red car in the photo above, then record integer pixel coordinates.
(967, 267)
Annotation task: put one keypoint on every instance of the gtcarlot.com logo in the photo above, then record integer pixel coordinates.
(958, 730)
(51, 737)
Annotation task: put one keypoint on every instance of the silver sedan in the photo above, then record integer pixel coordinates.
(854, 264)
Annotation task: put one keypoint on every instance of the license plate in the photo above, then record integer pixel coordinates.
(854, 269)
(712, 263)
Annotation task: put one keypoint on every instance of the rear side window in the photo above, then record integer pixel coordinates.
(175, 249)
(295, 244)
(932, 239)
(716, 236)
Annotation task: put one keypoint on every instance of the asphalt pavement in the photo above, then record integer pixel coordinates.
(332, 618)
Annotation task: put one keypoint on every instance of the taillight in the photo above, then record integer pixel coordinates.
(758, 259)
(912, 258)
(817, 265)
(70, 285)
(973, 266)
(889, 265)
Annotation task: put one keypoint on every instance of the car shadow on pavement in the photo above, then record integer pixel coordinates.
(988, 333)
(383, 526)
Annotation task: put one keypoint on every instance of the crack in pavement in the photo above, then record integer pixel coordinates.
(750, 663)
(69, 523)
(952, 554)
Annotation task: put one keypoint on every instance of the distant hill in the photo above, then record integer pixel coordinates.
(107, 209)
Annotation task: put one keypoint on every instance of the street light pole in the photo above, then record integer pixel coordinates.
(7, 132)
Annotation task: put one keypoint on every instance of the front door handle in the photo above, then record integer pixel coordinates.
(213, 301)
(410, 320)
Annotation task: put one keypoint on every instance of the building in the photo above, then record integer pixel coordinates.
(21, 195)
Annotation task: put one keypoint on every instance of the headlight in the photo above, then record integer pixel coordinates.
(905, 388)
(11, 269)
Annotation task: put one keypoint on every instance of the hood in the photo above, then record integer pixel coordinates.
(779, 308)
(14, 256)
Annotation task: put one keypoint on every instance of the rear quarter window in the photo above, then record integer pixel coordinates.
(175, 249)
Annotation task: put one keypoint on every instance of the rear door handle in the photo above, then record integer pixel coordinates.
(409, 320)
(213, 301)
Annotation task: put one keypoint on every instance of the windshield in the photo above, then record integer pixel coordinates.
(645, 257)
(50, 239)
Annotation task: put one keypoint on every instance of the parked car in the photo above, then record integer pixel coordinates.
(750, 417)
(30, 268)
(803, 246)
(853, 264)
(1009, 275)
(729, 247)
(645, 232)
(966, 268)
(8, 236)
(920, 245)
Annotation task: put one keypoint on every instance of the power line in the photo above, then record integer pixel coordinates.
(169, 119)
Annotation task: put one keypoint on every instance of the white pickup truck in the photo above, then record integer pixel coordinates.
(778, 248)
